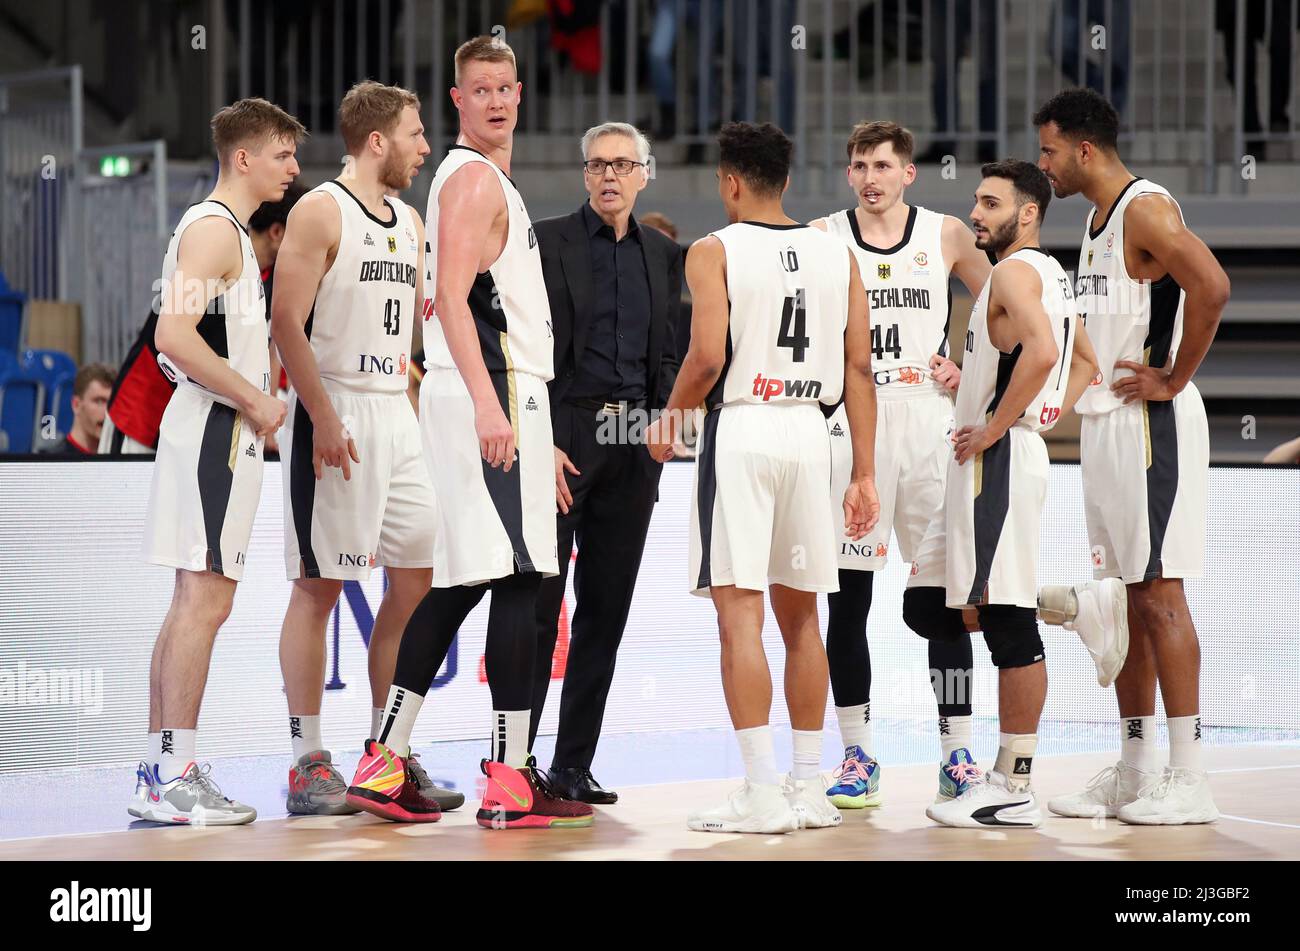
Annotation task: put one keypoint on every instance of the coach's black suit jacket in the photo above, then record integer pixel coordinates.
(614, 495)
(566, 265)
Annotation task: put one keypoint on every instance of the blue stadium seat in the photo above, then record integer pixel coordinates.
(50, 368)
(11, 317)
(20, 396)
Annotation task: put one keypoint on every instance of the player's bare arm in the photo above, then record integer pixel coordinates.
(706, 275)
(972, 267)
(1083, 367)
(208, 261)
(1015, 317)
(472, 230)
(1156, 242)
(311, 240)
(818, 223)
(861, 503)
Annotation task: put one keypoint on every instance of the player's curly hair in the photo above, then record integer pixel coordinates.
(1082, 114)
(759, 154)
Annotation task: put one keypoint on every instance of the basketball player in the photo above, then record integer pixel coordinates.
(1025, 359)
(350, 273)
(486, 428)
(779, 331)
(905, 254)
(1144, 450)
(212, 342)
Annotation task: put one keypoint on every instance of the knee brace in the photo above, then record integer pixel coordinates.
(925, 612)
(1011, 634)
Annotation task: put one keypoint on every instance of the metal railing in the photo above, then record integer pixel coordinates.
(40, 138)
(965, 75)
(126, 227)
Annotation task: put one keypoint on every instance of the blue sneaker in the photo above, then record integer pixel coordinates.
(856, 784)
(957, 775)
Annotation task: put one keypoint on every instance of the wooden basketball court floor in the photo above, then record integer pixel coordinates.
(1257, 789)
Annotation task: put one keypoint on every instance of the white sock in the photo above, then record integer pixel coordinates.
(175, 752)
(155, 750)
(1185, 742)
(1016, 757)
(759, 756)
(807, 753)
(304, 731)
(399, 720)
(1137, 740)
(855, 726)
(376, 722)
(954, 734)
(510, 737)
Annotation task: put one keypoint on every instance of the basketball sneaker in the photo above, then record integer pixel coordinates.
(1179, 797)
(809, 802)
(956, 775)
(754, 807)
(383, 787)
(1106, 793)
(447, 799)
(143, 784)
(523, 799)
(856, 783)
(1102, 625)
(316, 787)
(193, 798)
(987, 803)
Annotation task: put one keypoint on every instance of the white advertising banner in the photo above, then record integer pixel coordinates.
(79, 611)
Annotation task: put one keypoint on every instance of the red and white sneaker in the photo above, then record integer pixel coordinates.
(523, 799)
(383, 787)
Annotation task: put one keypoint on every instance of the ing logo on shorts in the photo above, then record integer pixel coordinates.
(1098, 556)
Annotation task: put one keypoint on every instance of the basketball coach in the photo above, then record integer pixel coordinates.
(615, 290)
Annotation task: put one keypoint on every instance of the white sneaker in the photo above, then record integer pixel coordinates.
(807, 797)
(194, 799)
(989, 803)
(1102, 625)
(754, 807)
(1180, 797)
(1106, 793)
(143, 784)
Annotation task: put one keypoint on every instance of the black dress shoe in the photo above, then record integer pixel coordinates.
(577, 783)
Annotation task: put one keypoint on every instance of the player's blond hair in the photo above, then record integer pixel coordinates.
(486, 49)
(372, 107)
(250, 124)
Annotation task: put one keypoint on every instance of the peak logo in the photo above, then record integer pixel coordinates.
(769, 388)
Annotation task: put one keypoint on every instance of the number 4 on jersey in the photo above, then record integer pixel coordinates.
(795, 339)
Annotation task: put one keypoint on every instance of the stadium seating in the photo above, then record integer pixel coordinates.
(20, 396)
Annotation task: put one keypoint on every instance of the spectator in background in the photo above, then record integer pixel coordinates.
(1287, 454)
(1077, 19)
(1271, 17)
(141, 393)
(955, 18)
(90, 390)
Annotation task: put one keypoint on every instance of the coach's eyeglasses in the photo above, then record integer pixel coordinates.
(622, 167)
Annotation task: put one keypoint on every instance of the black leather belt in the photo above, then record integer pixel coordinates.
(606, 407)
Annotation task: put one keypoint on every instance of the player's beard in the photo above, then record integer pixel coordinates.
(395, 173)
(999, 238)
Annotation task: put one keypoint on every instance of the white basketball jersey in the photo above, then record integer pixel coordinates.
(986, 370)
(508, 301)
(360, 324)
(907, 288)
(788, 287)
(1126, 319)
(234, 324)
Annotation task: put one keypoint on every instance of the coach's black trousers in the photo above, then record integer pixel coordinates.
(613, 499)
